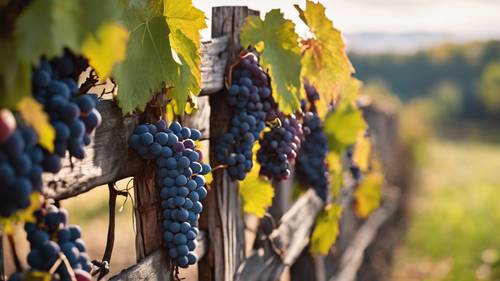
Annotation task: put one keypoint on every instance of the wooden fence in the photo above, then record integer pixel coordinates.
(221, 245)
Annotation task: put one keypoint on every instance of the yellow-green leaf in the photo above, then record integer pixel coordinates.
(106, 48)
(324, 62)
(362, 152)
(335, 171)
(326, 230)
(26, 215)
(344, 125)
(257, 194)
(34, 115)
(185, 22)
(276, 41)
(368, 194)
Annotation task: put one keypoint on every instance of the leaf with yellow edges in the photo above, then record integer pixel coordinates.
(26, 215)
(256, 193)
(276, 41)
(34, 115)
(368, 194)
(106, 48)
(324, 62)
(326, 230)
(37, 276)
(362, 152)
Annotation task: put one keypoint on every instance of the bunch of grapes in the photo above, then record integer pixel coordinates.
(279, 148)
(312, 167)
(251, 97)
(180, 178)
(74, 116)
(311, 161)
(21, 161)
(52, 240)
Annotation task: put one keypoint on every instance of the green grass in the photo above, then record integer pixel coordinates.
(454, 233)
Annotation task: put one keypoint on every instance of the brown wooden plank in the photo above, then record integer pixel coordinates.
(107, 157)
(155, 266)
(291, 237)
(223, 216)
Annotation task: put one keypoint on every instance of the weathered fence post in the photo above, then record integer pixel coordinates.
(223, 217)
(2, 272)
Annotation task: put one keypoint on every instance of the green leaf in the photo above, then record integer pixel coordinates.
(343, 126)
(148, 65)
(163, 51)
(45, 27)
(34, 115)
(326, 230)
(105, 49)
(257, 194)
(324, 62)
(368, 194)
(15, 76)
(276, 41)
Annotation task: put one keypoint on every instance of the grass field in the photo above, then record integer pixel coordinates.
(456, 215)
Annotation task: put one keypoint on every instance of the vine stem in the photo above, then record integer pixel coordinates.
(218, 167)
(110, 242)
(12, 244)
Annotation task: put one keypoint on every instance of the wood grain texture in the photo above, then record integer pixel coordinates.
(223, 213)
(155, 265)
(290, 238)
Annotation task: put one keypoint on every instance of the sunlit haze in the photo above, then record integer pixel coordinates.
(454, 20)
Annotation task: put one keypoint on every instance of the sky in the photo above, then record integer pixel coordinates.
(466, 18)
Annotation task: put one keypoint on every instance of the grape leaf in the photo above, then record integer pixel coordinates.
(105, 49)
(148, 65)
(34, 115)
(257, 194)
(324, 62)
(45, 27)
(185, 23)
(15, 76)
(159, 53)
(276, 41)
(344, 125)
(362, 152)
(368, 194)
(326, 230)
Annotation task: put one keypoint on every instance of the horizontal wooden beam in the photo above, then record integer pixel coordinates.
(156, 265)
(285, 243)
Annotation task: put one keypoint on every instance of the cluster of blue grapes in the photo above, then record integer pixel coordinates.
(312, 167)
(50, 237)
(279, 148)
(251, 97)
(21, 167)
(73, 116)
(180, 177)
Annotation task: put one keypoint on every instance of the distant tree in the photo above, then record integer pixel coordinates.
(489, 87)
